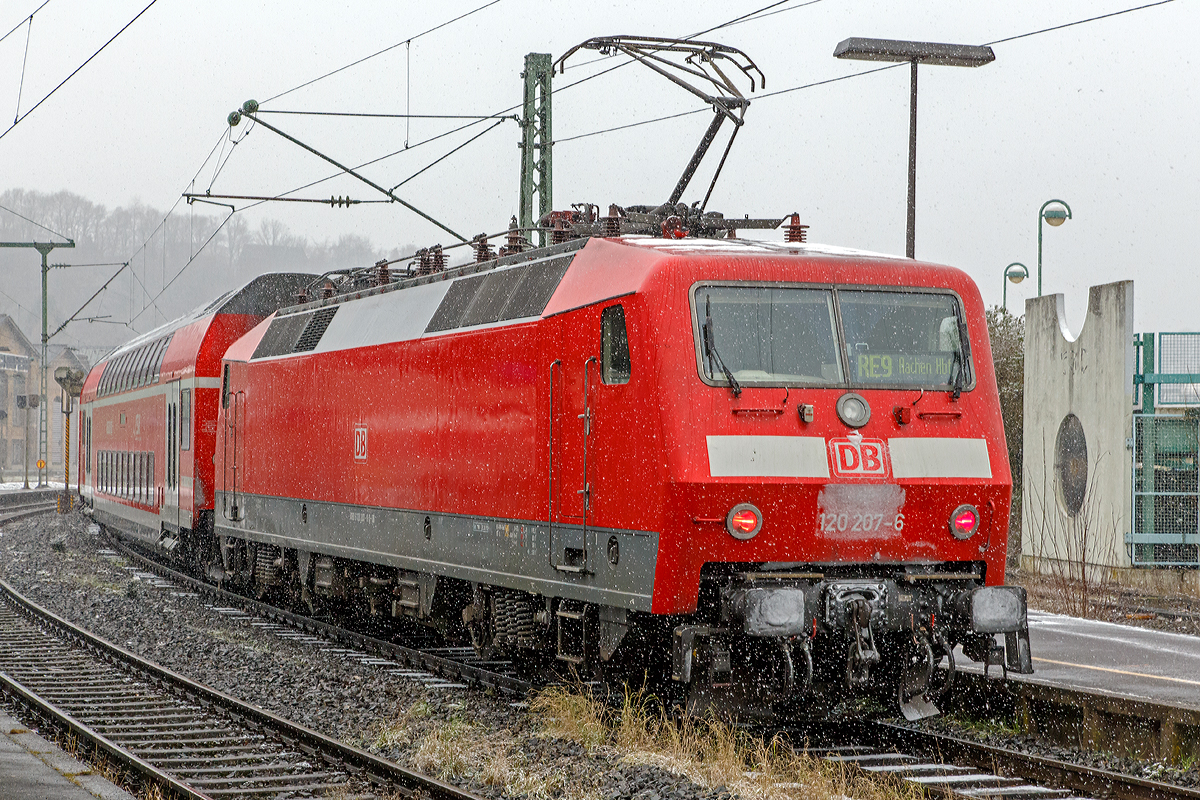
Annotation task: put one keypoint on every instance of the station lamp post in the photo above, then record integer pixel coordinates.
(1015, 272)
(1056, 217)
(946, 55)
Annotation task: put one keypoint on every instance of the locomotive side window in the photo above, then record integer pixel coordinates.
(911, 338)
(614, 346)
(185, 419)
(767, 334)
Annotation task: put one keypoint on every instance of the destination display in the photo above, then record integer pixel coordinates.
(937, 368)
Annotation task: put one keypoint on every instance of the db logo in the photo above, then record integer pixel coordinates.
(360, 443)
(856, 457)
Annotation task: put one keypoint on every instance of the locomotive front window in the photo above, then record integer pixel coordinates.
(909, 338)
(771, 335)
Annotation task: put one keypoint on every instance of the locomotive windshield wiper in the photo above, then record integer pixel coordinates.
(961, 356)
(710, 349)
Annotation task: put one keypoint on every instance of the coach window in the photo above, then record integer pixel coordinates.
(185, 419)
(143, 366)
(614, 346)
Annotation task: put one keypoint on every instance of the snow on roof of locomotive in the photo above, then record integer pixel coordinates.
(747, 246)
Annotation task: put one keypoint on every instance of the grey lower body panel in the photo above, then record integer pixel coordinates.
(143, 525)
(559, 561)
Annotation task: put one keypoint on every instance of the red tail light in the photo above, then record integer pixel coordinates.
(964, 521)
(743, 521)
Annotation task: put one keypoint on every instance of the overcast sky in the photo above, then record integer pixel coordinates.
(1105, 116)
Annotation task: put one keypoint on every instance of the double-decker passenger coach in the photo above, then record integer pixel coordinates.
(148, 415)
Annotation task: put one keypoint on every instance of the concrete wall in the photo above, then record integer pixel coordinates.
(1091, 377)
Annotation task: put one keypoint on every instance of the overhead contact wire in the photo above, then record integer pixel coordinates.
(17, 27)
(381, 52)
(77, 69)
(24, 61)
(33, 222)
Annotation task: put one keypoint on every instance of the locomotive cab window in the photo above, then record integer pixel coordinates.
(614, 346)
(907, 338)
(772, 335)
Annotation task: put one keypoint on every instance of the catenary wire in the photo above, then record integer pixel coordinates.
(1080, 22)
(24, 62)
(77, 69)
(435, 162)
(142, 247)
(33, 222)
(384, 116)
(24, 20)
(381, 52)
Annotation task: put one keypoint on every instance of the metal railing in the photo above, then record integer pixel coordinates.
(1165, 529)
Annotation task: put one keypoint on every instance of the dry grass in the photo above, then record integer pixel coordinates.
(707, 750)
(153, 791)
(462, 750)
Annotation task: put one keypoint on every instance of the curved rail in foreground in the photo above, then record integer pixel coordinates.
(198, 742)
(15, 513)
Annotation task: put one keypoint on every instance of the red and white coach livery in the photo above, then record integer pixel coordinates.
(782, 464)
(148, 416)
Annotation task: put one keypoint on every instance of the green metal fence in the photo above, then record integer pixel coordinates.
(1166, 451)
(1166, 490)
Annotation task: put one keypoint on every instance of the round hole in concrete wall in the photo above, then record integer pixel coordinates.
(1070, 465)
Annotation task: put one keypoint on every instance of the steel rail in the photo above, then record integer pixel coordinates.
(353, 760)
(1076, 777)
(411, 656)
(15, 513)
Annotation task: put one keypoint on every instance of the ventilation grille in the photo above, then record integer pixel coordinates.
(499, 296)
(281, 337)
(314, 330)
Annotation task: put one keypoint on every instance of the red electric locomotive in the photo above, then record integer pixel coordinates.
(148, 415)
(780, 467)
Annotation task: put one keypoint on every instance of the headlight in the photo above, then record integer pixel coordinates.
(853, 409)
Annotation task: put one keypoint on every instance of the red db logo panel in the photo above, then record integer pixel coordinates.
(360, 443)
(859, 458)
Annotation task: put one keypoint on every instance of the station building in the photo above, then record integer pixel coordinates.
(20, 379)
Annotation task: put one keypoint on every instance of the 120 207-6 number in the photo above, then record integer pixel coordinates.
(858, 523)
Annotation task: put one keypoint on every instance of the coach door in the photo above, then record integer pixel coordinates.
(232, 449)
(569, 494)
(170, 509)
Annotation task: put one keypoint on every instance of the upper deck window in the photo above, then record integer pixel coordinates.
(781, 335)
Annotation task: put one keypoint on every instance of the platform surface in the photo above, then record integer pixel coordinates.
(32, 768)
(1121, 660)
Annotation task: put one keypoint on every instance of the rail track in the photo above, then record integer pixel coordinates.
(942, 764)
(18, 512)
(459, 664)
(165, 729)
(971, 769)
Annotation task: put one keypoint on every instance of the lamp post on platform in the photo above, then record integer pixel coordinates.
(947, 55)
(1020, 273)
(1056, 217)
